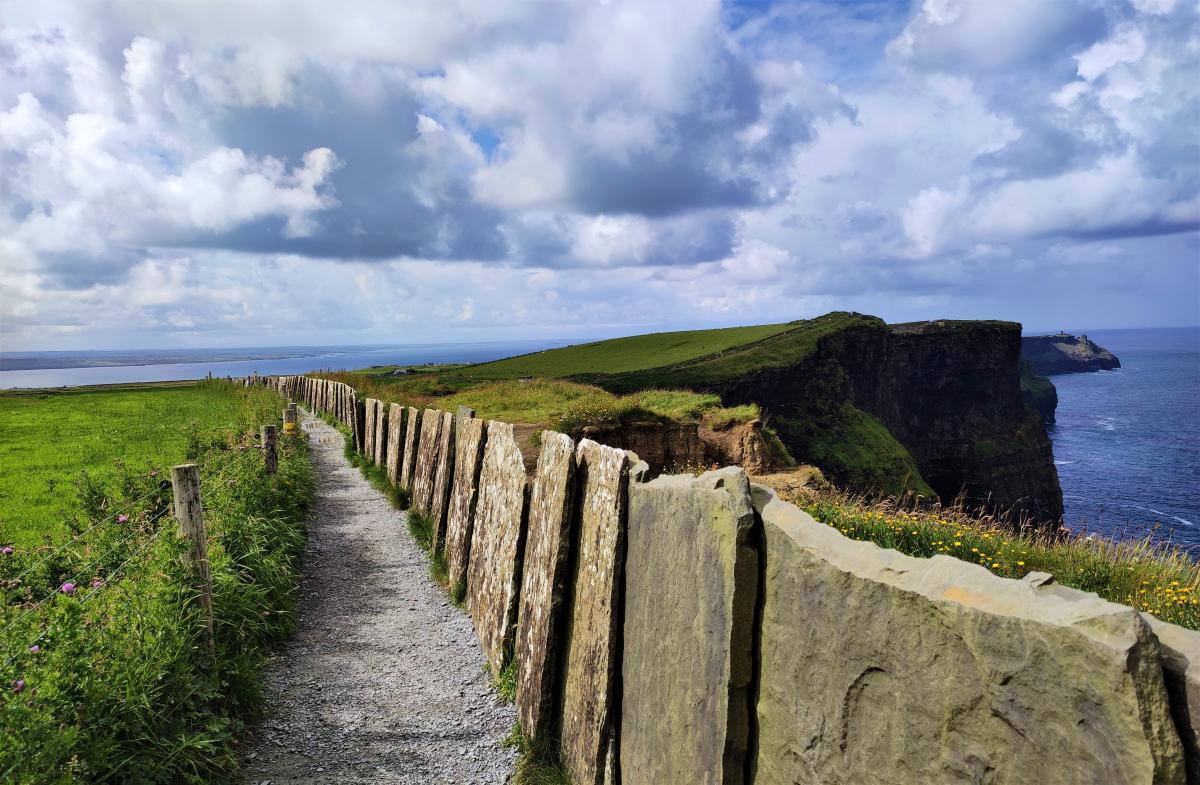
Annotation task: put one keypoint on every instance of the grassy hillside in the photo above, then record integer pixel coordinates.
(621, 355)
(49, 438)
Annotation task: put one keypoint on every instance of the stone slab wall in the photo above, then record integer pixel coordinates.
(381, 431)
(691, 582)
(428, 441)
(395, 442)
(494, 571)
(592, 658)
(469, 440)
(441, 480)
(412, 425)
(674, 632)
(544, 580)
(880, 668)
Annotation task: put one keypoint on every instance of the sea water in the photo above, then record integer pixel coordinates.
(1127, 441)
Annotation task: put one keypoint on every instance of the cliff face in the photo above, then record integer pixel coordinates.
(935, 407)
(1047, 355)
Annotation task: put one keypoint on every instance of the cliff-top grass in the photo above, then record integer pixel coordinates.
(1155, 578)
(550, 403)
(49, 439)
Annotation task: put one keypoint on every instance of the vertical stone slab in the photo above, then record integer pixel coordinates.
(691, 579)
(470, 438)
(494, 569)
(425, 470)
(441, 480)
(395, 442)
(544, 576)
(589, 710)
(408, 457)
(369, 427)
(380, 433)
(878, 668)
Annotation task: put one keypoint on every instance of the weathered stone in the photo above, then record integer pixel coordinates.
(879, 668)
(543, 584)
(691, 579)
(469, 439)
(589, 671)
(494, 571)
(1181, 670)
(441, 481)
(427, 457)
(380, 454)
(463, 413)
(369, 436)
(412, 424)
(395, 442)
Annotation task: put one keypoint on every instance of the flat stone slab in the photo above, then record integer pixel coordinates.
(369, 427)
(428, 441)
(412, 424)
(589, 702)
(494, 571)
(380, 433)
(395, 442)
(469, 439)
(441, 480)
(691, 579)
(878, 667)
(544, 577)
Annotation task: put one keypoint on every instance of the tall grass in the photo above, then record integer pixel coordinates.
(1152, 577)
(115, 683)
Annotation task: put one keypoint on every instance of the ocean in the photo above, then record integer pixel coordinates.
(1127, 441)
(63, 369)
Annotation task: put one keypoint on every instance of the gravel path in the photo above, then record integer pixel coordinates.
(384, 680)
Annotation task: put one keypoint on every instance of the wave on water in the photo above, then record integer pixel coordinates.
(1063, 463)
(1184, 521)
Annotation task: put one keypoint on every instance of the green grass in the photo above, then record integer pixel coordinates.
(48, 438)
(537, 764)
(122, 686)
(1151, 577)
(620, 355)
(726, 418)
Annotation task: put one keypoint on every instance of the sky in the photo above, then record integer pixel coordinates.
(287, 172)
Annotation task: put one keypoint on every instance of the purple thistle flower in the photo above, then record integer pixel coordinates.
(68, 588)
(96, 583)
(122, 518)
(34, 649)
(18, 685)
(7, 550)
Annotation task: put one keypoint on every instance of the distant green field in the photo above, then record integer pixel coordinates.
(48, 438)
(621, 355)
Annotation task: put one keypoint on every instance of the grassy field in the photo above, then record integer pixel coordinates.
(48, 438)
(103, 651)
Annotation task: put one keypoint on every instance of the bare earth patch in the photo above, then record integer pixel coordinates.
(384, 680)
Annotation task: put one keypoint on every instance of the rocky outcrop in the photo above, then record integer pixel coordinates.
(1048, 355)
(663, 446)
(544, 577)
(689, 628)
(1039, 393)
(878, 668)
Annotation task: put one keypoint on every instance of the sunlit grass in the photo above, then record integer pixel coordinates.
(1152, 577)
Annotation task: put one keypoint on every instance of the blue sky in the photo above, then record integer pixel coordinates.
(183, 174)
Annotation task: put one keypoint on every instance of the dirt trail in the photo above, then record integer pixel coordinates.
(384, 680)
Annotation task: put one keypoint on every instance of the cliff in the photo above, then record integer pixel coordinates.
(935, 408)
(1048, 355)
(1039, 392)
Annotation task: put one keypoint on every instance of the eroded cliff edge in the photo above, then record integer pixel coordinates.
(932, 407)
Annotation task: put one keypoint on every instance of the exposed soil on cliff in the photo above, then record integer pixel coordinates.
(384, 680)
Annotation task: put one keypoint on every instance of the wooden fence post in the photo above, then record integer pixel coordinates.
(268, 446)
(289, 420)
(185, 484)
